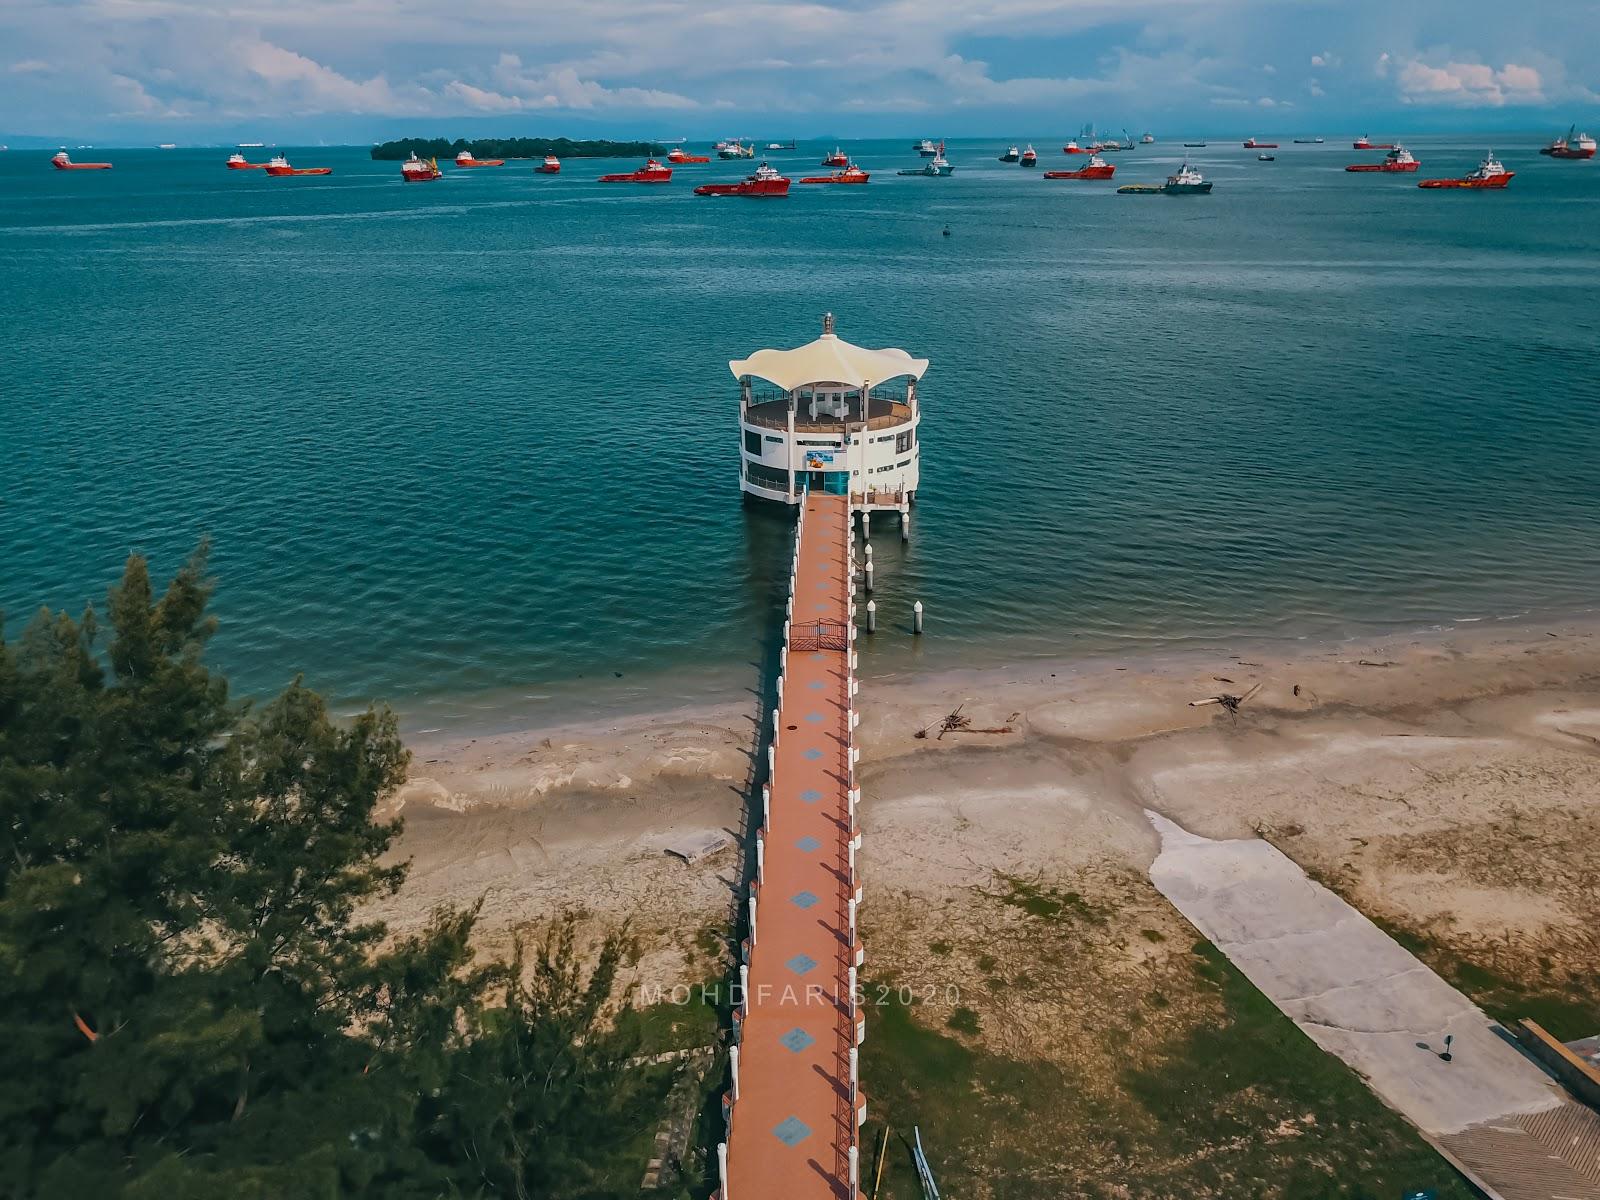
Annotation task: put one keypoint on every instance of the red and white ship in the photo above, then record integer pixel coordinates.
(1030, 158)
(677, 156)
(62, 163)
(1365, 143)
(550, 166)
(1095, 168)
(465, 159)
(837, 159)
(651, 172)
(1398, 159)
(238, 162)
(1252, 144)
(279, 165)
(1072, 147)
(765, 182)
(419, 170)
(1574, 145)
(1489, 174)
(851, 174)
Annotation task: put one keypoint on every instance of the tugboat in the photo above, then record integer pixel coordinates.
(651, 172)
(837, 159)
(1489, 174)
(1011, 155)
(765, 182)
(926, 148)
(851, 174)
(1193, 145)
(279, 165)
(550, 166)
(1148, 140)
(735, 149)
(1266, 158)
(62, 163)
(1574, 145)
(1365, 143)
(1030, 157)
(238, 162)
(1187, 182)
(1072, 147)
(1252, 144)
(419, 170)
(938, 165)
(1095, 168)
(465, 159)
(678, 157)
(1316, 141)
(1398, 159)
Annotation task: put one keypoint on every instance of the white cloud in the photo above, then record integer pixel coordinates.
(28, 66)
(1468, 84)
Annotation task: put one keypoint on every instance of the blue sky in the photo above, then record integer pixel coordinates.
(359, 70)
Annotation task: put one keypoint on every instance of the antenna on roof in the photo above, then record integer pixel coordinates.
(827, 324)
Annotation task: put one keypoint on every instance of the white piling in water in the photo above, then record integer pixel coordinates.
(916, 617)
(869, 576)
(905, 522)
(722, 1170)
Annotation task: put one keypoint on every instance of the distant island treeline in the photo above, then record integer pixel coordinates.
(518, 147)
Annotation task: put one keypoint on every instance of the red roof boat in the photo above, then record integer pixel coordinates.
(651, 172)
(1252, 144)
(465, 159)
(677, 157)
(837, 159)
(238, 162)
(1574, 145)
(1489, 174)
(1398, 159)
(419, 170)
(765, 182)
(550, 166)
(1095, 168)
(279, 165)
(62, 163)
(851, 174)
(1364, 143)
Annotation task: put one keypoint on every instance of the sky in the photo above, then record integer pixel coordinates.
(133, 71)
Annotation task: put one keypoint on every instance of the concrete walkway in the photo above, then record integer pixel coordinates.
(1360, 995)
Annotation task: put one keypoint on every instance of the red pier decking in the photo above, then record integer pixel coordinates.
(795, 1104)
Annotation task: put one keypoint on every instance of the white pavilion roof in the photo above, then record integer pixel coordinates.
(828, 360)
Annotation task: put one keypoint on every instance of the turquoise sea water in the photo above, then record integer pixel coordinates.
(471, 446)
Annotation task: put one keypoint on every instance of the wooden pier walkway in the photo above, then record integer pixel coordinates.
(795, 1105)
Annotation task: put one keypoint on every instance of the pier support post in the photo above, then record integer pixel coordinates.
(733, 1069)
(855, 1171)
(872, 616)
(744, 988)
(766, 807)
(855, 1065)
(869, 574)
(916, 617)
(752, 920)
(761, 859)
(905, 521)
(722, 1170)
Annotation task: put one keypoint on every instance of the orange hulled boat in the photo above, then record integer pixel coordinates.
(1072, 147)
(420, 170)
(678, 157)
(765, 182)
(465, 159)
(1095, 168)
(550, 166)
(279, 165)
(1489, 174)
(62, 163)
(1252, 144)
(837, 159)
(1030, 158)
(238, 162)
(1398, 159)
(851, 174)
(651, 172)
(1366, 143)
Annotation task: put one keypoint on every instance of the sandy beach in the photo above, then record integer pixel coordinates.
(1446, 781)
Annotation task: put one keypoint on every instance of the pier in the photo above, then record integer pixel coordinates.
(795, 1102)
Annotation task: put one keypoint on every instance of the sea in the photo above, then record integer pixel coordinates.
(470, 447)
